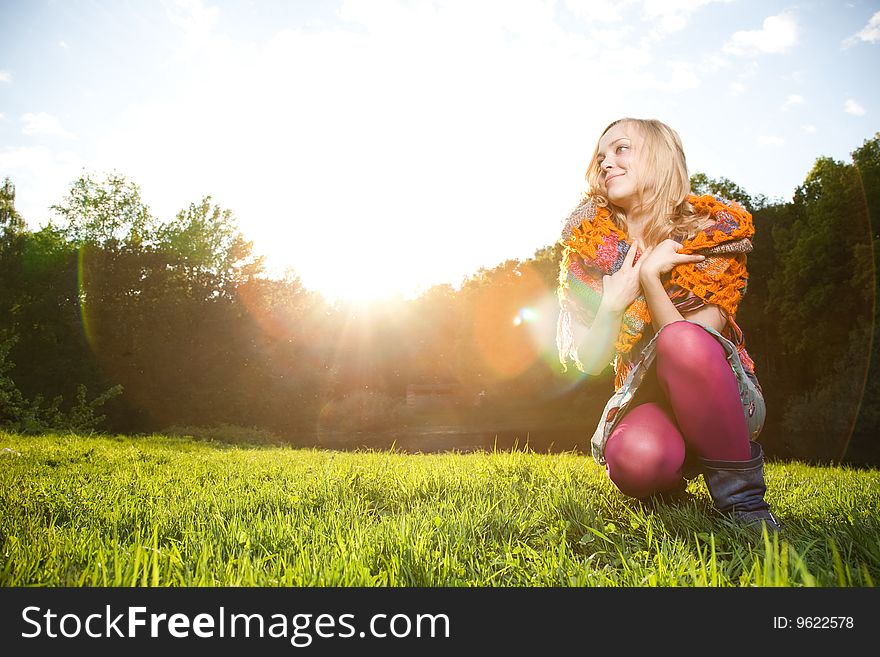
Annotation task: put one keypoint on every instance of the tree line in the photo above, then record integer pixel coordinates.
(112, 320)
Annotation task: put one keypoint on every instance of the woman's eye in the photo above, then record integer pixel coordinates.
(621, 147)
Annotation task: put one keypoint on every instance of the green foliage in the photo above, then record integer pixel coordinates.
(11, 222)
(701, 184)
(83, 417)
(37, 298)
(204, 243)
(864, 444)
(867, 162)
(824, 273)
(105, 212)
(158, 511)
(12, 402)
(820, 420)
(37, 416)
(18, 413)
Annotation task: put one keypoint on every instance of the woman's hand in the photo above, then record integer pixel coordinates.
(622, 287)
(661, 259)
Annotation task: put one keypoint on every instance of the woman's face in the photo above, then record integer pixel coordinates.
(618, 164)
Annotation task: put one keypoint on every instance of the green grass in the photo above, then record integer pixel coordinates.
(159, 511)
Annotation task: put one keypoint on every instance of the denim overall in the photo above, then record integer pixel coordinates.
(750, 394)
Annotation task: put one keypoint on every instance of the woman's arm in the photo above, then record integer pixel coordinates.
(660, 261)
(595, 345)
(664, 312)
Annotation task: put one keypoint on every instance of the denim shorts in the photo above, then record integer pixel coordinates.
(749, 392)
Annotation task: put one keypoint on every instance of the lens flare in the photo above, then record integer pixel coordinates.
(525, 315)
(82, 286)
(515, 331)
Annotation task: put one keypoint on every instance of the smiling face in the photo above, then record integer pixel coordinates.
(618, 162)
(639, 172)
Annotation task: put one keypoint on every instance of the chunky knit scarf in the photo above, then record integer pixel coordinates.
(594, 246)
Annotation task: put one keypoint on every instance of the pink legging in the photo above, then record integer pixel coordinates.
(693, 406)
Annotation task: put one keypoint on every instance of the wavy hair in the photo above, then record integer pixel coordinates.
(662, 185)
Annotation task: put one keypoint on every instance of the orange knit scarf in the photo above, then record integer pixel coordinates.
(594, 246)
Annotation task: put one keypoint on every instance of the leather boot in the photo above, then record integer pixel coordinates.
(737, 488)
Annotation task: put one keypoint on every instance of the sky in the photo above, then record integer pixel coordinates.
(377, 147)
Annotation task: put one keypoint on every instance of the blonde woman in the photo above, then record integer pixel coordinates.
(651, 279)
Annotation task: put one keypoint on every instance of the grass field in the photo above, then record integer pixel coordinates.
(160, 511)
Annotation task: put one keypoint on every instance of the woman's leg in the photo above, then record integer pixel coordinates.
(697, 381)
(645, 452)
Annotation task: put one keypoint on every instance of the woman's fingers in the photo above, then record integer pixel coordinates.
(692, 257)
(644, 254)
(631, 253)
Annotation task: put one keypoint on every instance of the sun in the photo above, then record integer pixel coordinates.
(364, 292)
(366, 258)
(368, 284)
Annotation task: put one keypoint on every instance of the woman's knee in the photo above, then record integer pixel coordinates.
(645, 459)
(684, 347)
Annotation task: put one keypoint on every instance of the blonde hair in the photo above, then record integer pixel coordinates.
(663, 185)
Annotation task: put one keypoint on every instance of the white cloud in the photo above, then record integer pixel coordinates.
(770, 140)
(63, 44)
(43, 124)
(852, 107)
(736, 88)
(489, 19)
(683, 78)
(2, 116)
(870, 33)
(808, 128)
(715, 62)
(791, 101)
(665, 16)
(598, 11)
(778, 34)
(5, 76)
(747, 69)
(671, 15)
(196, 19)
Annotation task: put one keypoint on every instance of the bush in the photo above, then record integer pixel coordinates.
(32, 416)
(83, 416)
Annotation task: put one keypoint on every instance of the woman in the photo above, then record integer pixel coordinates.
(651, 277)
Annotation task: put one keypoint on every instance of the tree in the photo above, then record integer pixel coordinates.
(824, 274)
(204, 244)
(701, 184)
(105, 212)
(867, 162)
(12, 224)
(825, 270)
(864, 447)
(12, 236)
